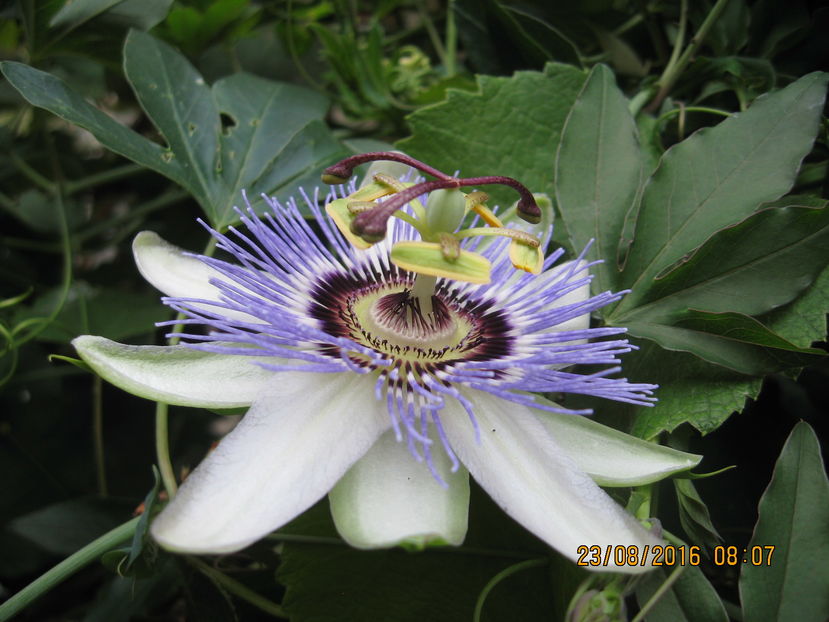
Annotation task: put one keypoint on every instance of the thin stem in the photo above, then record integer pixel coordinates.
(134, 213)
(162, 433)
(672, 72)
(67, 568)
(450, 62)
(680, 37)
(104, 177)
(32, 174)
(162, 447)
(505, 573)
(432, 32)
(294, 54)
(239, 589)
(66, 247)
(675, 111)
(672, 578)
(98, 434)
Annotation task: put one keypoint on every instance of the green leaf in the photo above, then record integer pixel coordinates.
(63, 528)
(694, 516)
(753, 267)
(538, 40)
(719, 176)
(690, 390)
(181, 106)
(328, 581)
(76, 12)
(107, 312)
(273, 139)
(793, 511)
(804, 321)
(733, 340)
(691, 599)
(46, 91)
(598, 171)
(468, 132)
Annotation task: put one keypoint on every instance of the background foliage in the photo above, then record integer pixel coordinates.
(686, 138)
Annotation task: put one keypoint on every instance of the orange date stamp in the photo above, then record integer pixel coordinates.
(671, 555)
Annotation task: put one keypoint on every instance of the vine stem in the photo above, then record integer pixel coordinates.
(676, 65)
(67, 568)
(672, 578)
(162, 434)
(505, 573)
(238, 589)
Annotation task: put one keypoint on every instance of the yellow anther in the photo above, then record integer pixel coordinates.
(476, 198)
(390, 182)
(523, 237)
(357, 207)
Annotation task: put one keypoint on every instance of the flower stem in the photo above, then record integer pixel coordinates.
(162, 449)
(238, 589)
(505, 573)
(98, 435)
(67, 568)
(104, 177)
(672, 578)
(450, 61)
(162, 434)
(676, 65)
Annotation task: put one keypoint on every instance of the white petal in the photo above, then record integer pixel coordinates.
(287, 452)
(611, 457)
(170, 270)
(533, 480)
(388, 498)
(178, 374)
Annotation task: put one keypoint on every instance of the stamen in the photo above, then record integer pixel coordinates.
(371, 225)
(358, 207)
(515, 234)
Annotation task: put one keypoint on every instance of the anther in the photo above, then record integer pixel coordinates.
(358, 207)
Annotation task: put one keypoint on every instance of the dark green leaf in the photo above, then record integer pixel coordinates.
(46, 91)
(273, 140)
(804, 321)
(75, 12)
(694, 516)
(793, 520)
(331, 582)
(468, 132)
(733, 340)
(539, 40)
(65, 527)
(107, 312)
(691, 599)
(719, 176)
(598, 171)
(762, 263)
(690, 390)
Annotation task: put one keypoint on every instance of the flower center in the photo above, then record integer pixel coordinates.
(400, 318)
(392, 319)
